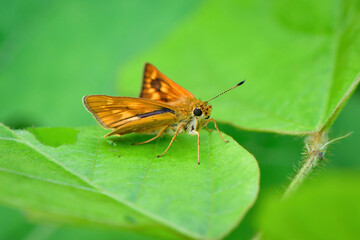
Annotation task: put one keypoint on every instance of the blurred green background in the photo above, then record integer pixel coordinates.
(52, 53)
(55, 52)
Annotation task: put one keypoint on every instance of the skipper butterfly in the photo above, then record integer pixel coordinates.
(163, 107)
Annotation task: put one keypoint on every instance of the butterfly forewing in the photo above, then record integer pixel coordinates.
(156, 86)
(150, 124)
(126, 114)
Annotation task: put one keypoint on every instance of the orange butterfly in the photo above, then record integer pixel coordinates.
(163, 107)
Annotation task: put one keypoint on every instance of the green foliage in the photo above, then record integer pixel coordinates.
(285, 152)
(54, 53)
(332, 210)
(55, 137)
(112, 183)
(15, 226)
(301, 61)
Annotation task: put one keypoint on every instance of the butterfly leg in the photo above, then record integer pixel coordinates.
(198, 144)
(208, 129)
(172, 140)
(151, 139)
(213, 120)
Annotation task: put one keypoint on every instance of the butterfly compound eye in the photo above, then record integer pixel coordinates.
(197, 112)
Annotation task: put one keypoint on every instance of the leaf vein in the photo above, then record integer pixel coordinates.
(46, 179)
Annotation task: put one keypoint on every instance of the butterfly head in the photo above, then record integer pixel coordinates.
(201, 110)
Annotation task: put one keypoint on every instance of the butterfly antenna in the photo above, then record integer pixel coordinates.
(240, 83)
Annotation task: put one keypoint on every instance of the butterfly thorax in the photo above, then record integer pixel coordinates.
(191, 114)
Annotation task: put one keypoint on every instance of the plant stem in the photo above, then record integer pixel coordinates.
(316, 145)
(311, 162)
(315, 152)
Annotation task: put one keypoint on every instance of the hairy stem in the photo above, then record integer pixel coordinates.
(305, 170)
(316, 145)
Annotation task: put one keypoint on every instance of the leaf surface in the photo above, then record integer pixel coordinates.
(301, 61)
(325, 209)
(110, 182)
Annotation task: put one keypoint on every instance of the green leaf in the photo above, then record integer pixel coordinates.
(54, 53)
(110, 182)
(14, 225)
(325, 209)
(55, 137)
(301, 61)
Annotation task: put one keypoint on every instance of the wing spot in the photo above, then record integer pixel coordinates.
(163, 89)
(155, 96)
(153, 75)
(156, 84)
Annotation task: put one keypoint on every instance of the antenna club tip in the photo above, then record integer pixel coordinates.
(240, 83)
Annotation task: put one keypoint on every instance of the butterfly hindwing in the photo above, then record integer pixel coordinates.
(156, 86)
(127, 114)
